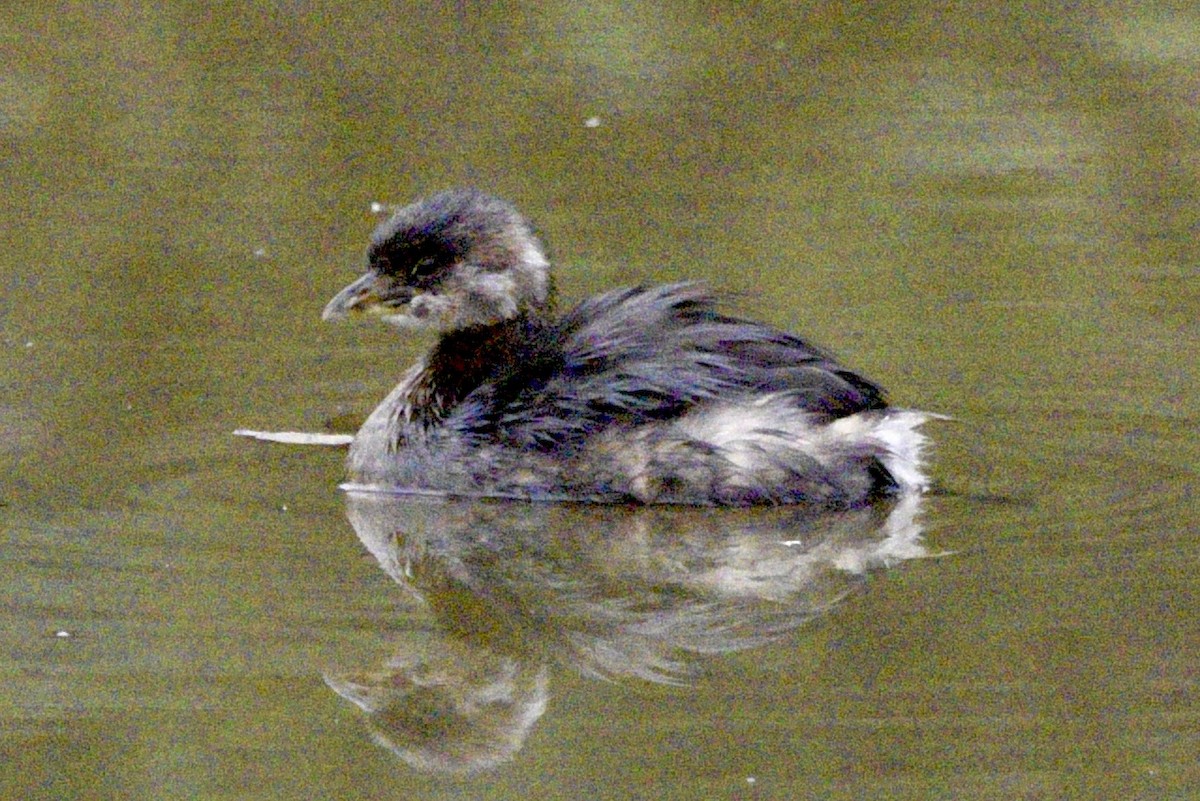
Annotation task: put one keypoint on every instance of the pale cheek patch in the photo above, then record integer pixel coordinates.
(425, 311)
(489, 298)
(535, 271)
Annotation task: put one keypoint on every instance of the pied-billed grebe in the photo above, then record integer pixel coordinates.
(644, 394)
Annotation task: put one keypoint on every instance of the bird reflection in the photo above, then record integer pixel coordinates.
(611, 592)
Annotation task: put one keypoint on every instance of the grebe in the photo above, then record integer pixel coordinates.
(646, 394)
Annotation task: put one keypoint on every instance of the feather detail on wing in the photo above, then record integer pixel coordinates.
(635, 355)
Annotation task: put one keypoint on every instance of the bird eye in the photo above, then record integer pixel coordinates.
(425, 266)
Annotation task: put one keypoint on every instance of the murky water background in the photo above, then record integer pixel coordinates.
(991, 210)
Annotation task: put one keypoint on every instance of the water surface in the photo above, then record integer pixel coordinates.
(990, 211)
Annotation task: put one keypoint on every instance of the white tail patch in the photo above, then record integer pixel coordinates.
(750, 434)
(896, 433)
(745, 433)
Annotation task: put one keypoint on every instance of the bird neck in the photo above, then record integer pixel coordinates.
(463, 360)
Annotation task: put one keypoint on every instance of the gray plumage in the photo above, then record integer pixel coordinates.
(641, 394)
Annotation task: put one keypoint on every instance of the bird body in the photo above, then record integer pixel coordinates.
(645, 394)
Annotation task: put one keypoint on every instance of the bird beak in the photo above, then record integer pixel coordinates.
(361, 297)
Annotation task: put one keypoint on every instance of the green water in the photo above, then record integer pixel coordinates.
(992, 212)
